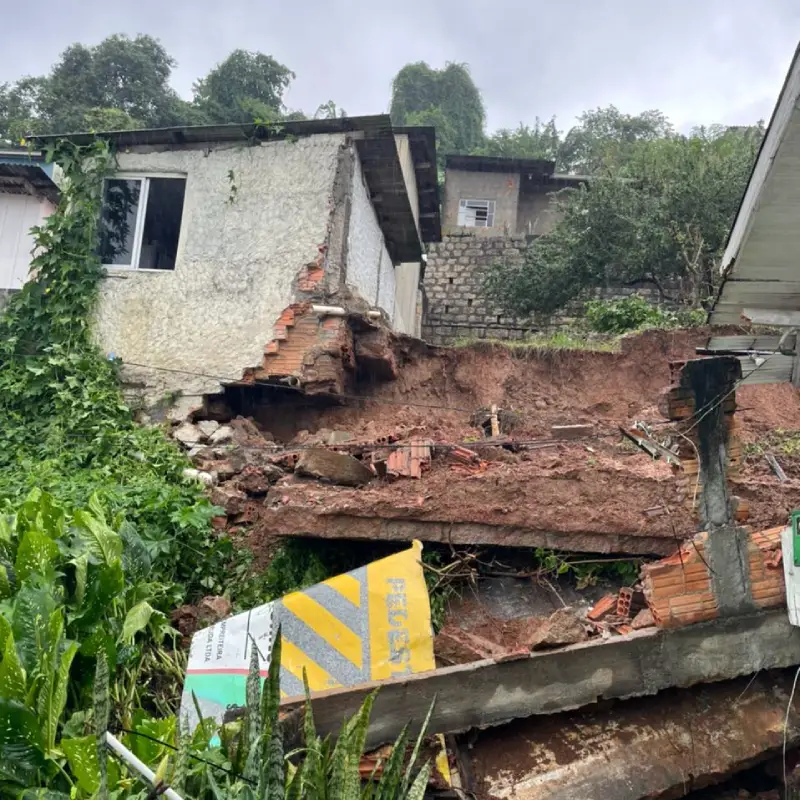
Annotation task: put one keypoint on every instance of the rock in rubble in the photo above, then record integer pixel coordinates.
(233, 500)
(206, 478)
(247, 434)
(208, 427)
(188, 434)
(644, 619)
(562, 627)
(221, 435)
(209, 611)
(256, 480)
(316, 462)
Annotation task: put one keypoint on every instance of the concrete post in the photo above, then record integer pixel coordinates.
(712, 383)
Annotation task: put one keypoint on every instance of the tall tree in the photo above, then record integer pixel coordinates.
(662, 216)
(540, 140)
(605, 138)
(448, 95)
(244, 87)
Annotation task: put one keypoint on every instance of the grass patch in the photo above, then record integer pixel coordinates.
(780, 441)
(548, 342)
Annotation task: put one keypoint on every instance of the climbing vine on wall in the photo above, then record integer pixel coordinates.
(64, 425)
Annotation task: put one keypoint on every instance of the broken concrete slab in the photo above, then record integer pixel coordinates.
(188, 434)
(571, 431)
(339, 468)
(222, 435)
(208, 427)
(642, 663)
(256, 480)
(665, 747)
(562, 627)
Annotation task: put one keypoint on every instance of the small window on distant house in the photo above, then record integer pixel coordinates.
(141, 221)
(476, 213)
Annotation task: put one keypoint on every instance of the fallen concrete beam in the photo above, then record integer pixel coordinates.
(662, 747)
(493, 692)
(324, 524)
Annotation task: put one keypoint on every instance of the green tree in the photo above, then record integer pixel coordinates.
(540, 140)
(661, 217)
(448, 96)
(605, 138)
(244, 87)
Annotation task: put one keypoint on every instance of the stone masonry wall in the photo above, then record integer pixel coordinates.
(457, 306)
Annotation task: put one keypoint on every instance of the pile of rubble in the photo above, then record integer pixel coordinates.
(615, 614)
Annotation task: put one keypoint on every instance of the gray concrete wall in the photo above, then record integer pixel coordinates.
(501, 187)
(536, 213)
(458, 307)
(237, 261)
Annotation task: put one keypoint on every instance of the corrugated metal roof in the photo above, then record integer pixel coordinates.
(761, 263)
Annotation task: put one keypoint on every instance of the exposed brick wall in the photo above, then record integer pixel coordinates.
(679, 592)
(457, 306)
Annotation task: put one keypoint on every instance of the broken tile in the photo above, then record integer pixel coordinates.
(603, 607)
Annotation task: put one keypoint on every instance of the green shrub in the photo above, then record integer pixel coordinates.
(621, 316)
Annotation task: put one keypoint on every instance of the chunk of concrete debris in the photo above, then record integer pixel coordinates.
(233, 500)
(256, 480)
(247, 433)
(221, 435)
(340, 468)
(644, 619)
(571, 431)
(207, 427)
(206, 478)
(562, 627)
(339, 437)
(188, 434)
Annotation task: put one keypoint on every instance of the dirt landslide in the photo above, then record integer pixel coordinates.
(598, 494)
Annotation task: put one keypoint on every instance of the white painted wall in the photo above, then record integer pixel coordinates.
(236, 265)
(367, 257)
(405, 300)
(18, 214)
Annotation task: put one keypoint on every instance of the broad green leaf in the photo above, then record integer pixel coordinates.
(81, 564)
(135, 558)
(82, 758)
(36, 555)
(59, 696)
(7, 580)
(12, 675)
(103, 586)
(33, 607)
(21, 745)
(101, 541)
(136, 620)
(81, 755)
(143, 747)
(5, 631)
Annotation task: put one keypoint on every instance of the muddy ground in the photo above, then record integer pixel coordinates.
(598, 494)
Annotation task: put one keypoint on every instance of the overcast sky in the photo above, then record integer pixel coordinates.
(699, 61)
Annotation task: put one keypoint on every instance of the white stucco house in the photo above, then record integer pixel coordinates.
(28, 194)
(253, 253)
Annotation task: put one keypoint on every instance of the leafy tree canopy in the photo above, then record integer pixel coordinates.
(540, 140)
(659, 212)
(448, 96)
(245, 86)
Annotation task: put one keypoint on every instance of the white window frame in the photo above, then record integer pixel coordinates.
(466, 212)
(141, 212)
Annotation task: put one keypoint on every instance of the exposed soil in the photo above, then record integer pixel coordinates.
(598, 494)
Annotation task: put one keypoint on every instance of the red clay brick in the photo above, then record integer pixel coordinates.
(602, 608)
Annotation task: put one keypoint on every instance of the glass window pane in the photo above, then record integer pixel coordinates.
(162, 223)
(118, 220)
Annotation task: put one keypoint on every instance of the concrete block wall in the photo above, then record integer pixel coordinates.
(457, 306)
